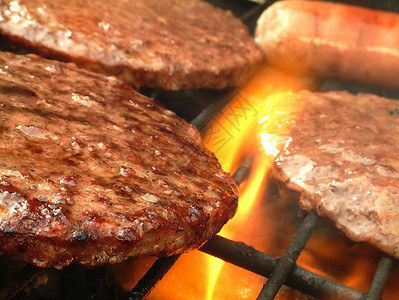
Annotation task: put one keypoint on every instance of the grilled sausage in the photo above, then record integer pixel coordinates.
(331, 40)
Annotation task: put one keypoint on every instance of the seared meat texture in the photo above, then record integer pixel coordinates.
(342, 157)
(328, 39)
(168, 44)
(93, 172)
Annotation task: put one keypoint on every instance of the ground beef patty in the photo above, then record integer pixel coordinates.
(93, 172)
(343, 160)
(168, 44)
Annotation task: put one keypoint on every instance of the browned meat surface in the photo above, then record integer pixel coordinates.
(343, 160)
(333, 40)
(93, 172)
(168, 44)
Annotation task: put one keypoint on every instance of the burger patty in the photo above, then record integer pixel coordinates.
(167, 44)
(342, 157)
(93, 172)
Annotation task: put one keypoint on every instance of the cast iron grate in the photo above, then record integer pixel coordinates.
(280, 271)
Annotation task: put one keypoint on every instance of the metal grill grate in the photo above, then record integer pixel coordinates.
(280, 271)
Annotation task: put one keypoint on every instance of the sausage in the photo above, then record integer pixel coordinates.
(331, 40)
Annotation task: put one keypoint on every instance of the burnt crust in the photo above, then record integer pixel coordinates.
(93, 172)
(167, 44)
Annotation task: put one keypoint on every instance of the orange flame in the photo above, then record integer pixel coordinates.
(261, 220)
(231, 135)
(232, 229)
(250, 104)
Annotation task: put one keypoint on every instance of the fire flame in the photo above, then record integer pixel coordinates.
(231, 135)
(255, 100)
(261, 220)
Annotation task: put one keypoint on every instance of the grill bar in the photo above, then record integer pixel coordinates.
(207, 114)
(152, 277)
(247, 257)
(380, 278)
(288, 260)
(162, 265)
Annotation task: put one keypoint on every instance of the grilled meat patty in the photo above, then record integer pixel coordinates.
(168, 44)
(93, 172)
(343, 160)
